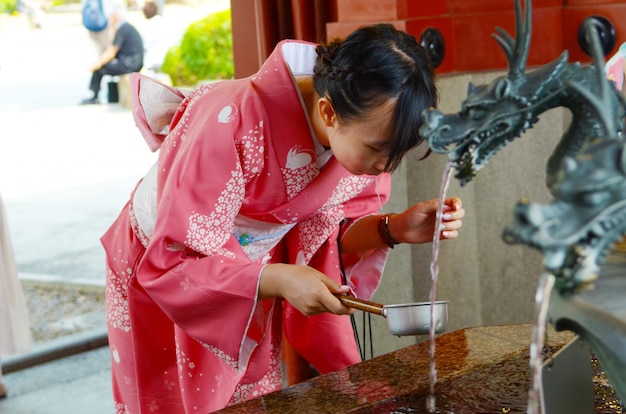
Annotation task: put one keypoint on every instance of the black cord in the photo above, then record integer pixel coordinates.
(366, 317)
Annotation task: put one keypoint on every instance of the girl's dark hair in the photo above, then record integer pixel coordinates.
(373, 64)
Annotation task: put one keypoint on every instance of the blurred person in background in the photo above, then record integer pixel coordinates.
(124, 55)
(15, 336)
(155, 37)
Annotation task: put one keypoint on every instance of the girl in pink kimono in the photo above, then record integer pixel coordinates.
(234, 237)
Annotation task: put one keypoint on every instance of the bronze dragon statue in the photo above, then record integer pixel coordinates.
(586, 174)
(495, 114)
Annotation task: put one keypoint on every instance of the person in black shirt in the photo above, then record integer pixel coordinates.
(124, 55)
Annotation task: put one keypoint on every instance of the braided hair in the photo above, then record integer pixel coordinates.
(372, 65)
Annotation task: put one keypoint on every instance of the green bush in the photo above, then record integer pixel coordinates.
(205, 52)
(8, 6)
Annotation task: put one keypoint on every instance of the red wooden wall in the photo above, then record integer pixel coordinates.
(467, 27)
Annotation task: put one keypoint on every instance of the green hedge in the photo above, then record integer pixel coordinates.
(7, 6)
(205, 52)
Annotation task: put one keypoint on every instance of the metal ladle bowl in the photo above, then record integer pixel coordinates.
(407, 318)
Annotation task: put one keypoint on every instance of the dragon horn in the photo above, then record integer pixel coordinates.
(516, 50)
(601, 103)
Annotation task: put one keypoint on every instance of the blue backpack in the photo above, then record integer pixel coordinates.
(93, 16)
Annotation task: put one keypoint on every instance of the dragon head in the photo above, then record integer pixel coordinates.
(490, 117)
(586, 217)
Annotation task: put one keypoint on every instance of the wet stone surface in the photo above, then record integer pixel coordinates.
(480, 370)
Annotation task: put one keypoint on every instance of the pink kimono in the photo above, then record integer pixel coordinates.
(240, 182)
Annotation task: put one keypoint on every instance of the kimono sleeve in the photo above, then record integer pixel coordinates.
(193, 267)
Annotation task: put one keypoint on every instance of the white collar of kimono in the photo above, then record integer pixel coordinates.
(300, 57)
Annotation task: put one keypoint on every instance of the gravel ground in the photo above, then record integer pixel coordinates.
(60, 309)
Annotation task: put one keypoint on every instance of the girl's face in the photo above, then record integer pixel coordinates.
(362, 146)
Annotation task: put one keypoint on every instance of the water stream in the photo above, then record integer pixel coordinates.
(434, 272)
(542, 302)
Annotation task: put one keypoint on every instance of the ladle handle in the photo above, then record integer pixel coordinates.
(361, 304)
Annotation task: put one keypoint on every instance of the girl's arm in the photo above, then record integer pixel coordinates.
(308, 290)
(414, 225)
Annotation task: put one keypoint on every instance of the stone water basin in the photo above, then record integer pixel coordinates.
(480, 370)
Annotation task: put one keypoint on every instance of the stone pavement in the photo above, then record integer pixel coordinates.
(75, 381)
(65, 172)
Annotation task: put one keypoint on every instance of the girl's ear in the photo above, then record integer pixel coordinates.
(326, 111)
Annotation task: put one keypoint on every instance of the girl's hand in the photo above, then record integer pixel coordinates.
(309, 291)
(417, 223)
